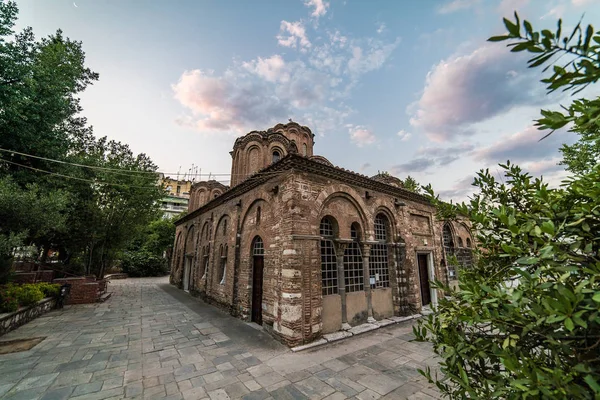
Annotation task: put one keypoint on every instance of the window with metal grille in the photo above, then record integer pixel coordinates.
(381, 228)
(460, 242)
(378, 262)
(468, 242)
(329, 283)
(329, 277)
(447, 237)
(223, 264)
(326, 227)
(353, 264)
(258, 248)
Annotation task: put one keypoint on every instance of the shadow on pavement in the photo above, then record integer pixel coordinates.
(237, 330)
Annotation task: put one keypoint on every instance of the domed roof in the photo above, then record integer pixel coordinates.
(321, 159)
(388, 179)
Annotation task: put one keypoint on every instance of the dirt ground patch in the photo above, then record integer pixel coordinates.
(17, 345)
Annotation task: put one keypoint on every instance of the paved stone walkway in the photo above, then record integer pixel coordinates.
(152, 341)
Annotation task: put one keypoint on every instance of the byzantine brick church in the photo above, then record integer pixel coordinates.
(305, 248)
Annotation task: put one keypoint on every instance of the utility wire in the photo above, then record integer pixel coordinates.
(120, 171)
(75, 177)
(273, 173)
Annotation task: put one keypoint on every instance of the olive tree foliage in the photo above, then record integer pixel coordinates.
(411, 184)
(525, 319)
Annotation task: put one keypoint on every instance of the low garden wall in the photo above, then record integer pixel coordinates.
(33, 277)
(13, 320)
(83, 290)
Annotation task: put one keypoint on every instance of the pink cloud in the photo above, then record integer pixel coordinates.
(470, 88)
(362, 136)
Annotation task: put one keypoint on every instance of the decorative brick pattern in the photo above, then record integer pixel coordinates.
(284, 205)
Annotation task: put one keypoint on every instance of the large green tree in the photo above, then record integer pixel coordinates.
(525, 320)
(48, 150)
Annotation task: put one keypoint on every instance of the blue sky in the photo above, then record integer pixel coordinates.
(409, 87)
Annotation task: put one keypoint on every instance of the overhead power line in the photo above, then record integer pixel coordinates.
(76, 177)
(273, 173)
(120, 171)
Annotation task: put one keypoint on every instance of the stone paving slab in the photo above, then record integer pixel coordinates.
(153, 341)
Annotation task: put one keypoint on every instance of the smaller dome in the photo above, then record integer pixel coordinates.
(321, 159)
(388, 179)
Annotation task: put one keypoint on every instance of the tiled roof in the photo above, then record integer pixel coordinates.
(299, 163)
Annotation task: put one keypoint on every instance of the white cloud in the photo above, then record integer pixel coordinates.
(371, 56)
(381, 28)
(310, 86)
(525, 146)
(361, 136)
(404, 136)
(272, 69)
(508, 7)
(555, 12)
(580, 3)
(466, 89)
(293, 34)
(228, 102)
(460, 191)
(320, 7)
(457, 5)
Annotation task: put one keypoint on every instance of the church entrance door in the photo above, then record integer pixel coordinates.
(424, 279)
(257, 287)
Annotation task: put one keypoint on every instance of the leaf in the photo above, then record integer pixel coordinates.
(548, 227)
(511, 28)
(589, 379)
(528, 27)
(569, 324)
(596, 297)
(588, 36)
(498, 38)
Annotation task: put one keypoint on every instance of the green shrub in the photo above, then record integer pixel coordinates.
(143, 263)
(29, 294)
(49, 289)
(8, 302)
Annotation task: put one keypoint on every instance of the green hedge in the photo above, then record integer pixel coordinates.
(14, 296)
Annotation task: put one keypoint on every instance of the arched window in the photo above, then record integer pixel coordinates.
(206, 231)
(258, 210)
(460, 242)
(329, 283)
(447, 236)
(304, 149)
(223, 264)
(468, 242)
(206, 258)
(258, 248)
(378, 262)
(353, 262)
(276, 156)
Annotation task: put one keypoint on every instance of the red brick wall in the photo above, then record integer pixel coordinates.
(83, 290)
(24, 266)
(24, 277)
(289, 228)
